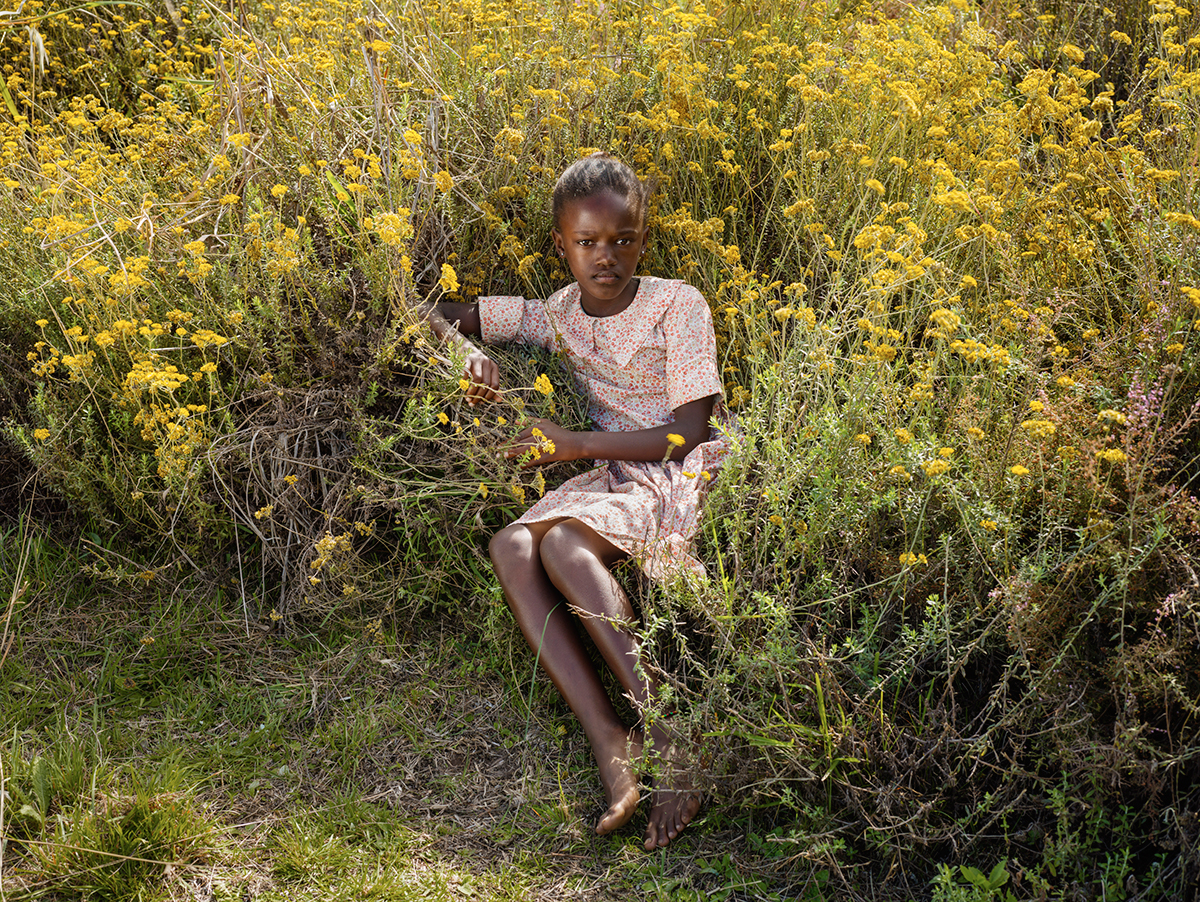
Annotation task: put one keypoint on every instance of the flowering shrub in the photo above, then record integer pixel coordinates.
(951, 253)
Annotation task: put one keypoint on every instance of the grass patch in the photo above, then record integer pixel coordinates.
(303, 766)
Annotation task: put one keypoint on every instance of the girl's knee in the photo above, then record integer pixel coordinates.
(511, 544)
(573, 542)
(567, 546)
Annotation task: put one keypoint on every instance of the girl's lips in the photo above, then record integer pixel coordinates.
(606, 277)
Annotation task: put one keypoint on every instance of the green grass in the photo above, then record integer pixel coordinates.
(417, 761)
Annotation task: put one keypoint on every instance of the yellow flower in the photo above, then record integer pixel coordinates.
(899, 472)
(41, 434)
(1019, 470)
(935, 467)
(903, 436)
(279, 190)
(444, 181)
(543, 385)
(1036, 406)
(43, 323)
(975, 432)
(862, 438)
(464, 384)
(442, 418)
(675, 439)
(1039, 428)
(1112, 455)
(909, 558)
(945, 452)
(1111, 416)
(229, 200)
(449, 279)
(989, 525)
(483, 489)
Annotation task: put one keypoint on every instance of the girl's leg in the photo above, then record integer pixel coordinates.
(549, 628)
(577, 561)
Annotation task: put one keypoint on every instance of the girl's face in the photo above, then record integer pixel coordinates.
(602, 237)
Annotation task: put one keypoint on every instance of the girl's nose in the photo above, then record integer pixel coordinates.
(607, 253)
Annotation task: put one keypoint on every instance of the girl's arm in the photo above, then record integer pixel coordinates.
(452, 322)
(691, 424)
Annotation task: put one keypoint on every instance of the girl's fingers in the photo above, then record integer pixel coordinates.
(545, 445)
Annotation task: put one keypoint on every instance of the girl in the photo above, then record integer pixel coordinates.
(643, 350)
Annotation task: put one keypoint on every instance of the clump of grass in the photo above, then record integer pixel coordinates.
(70, 828)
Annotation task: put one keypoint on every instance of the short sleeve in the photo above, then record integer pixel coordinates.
(691, 349)
(503, 319)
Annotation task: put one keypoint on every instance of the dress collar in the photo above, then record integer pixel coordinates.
(626, 331)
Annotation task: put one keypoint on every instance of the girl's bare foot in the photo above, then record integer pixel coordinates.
(619, 780)
(675, 800)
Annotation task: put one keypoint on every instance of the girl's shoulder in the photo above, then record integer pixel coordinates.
(563, 299)
(671, 300)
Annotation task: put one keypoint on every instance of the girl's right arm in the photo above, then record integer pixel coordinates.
(452, 322)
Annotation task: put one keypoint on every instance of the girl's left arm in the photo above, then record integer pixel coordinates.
(691, 424)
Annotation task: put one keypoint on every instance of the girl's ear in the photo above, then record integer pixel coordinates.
(558, 241)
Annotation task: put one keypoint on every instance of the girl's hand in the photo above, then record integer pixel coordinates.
(484, 378)
(548, 441)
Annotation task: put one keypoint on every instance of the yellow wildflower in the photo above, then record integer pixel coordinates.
(934, 468)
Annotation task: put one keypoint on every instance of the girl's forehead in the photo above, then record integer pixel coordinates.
(605, 207)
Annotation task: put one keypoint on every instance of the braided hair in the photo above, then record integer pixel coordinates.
(595, 173)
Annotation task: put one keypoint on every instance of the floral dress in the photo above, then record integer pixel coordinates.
(636, 367)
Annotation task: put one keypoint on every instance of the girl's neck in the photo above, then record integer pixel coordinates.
(601, 309)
